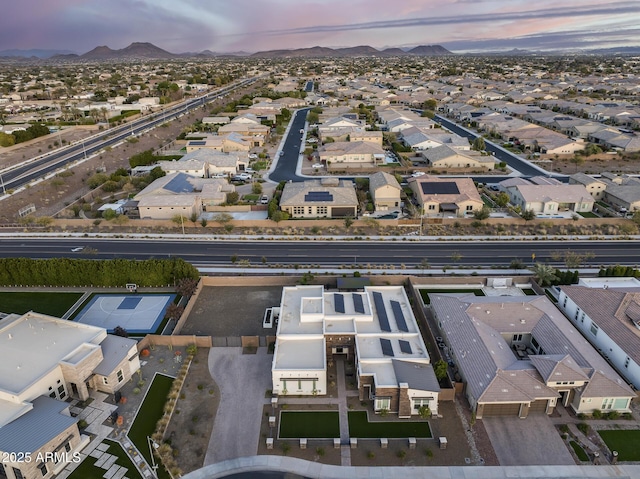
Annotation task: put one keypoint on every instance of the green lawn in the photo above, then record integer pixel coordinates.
(625, 441)
(310, 424)
(87, 470)
(359, 426)
(150, 412)
(579, 451)
(425, 292)
(529, 292)
(588, 214)
(54, 304)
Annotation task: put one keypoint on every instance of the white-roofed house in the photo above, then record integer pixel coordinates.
(376, 328)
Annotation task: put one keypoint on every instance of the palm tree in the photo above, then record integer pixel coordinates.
(544, 274)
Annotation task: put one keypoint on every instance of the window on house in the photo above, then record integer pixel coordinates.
(517, 337)
(105, 380)
(594, 329)
(432, 207)
(419, 402)
(43, 469)
(18, 473)
(470, 208)
(61, 392)
(383, 403)
(298, 210)
(534, 343)
(626, 362)
(120, 376)
(577, 314)
(607, 403)
(582, 317)
(322, 210)
(564, 303)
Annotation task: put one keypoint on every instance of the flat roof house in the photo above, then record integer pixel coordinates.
(327, 198)
(43, 362)
(518, 355)
(376, 329)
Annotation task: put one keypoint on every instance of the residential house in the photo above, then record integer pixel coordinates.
(439, 196)
(518, 355)
(622, 192)
(225, 143)
(327, 198)
(214, 163)
(607, 312)
(385, 191)
(446, 157)
(375, 329)
(548, 196)
(179, 194)
(595, 187)
(374, 137)
(339, 128)
(351, 154)
(44, 361)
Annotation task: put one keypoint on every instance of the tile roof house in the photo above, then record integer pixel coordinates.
(518, 355)
(608, 315)
(376, 329)
(213, 162)
(385, 191)
(594, 187)
(351, 154)
(622, 192)
(548, 196)
(439, 196)
(44, 361)
(446, 157)
(327, 198)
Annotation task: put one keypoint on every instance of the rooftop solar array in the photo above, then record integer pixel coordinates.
(405, 347)
(387, 349)
(179, 184)
(339, 302)
(382, 312)
(440, 188)
(399, 315)
(197, 143)
(358, 304)
(312, 196)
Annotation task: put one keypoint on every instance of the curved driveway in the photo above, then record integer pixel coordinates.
(243, 380)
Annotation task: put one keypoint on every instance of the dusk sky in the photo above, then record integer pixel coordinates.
(254, 25)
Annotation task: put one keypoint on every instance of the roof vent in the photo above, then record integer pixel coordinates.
(10, 336)
(523, 321)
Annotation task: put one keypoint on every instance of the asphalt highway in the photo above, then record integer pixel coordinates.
(214, 252)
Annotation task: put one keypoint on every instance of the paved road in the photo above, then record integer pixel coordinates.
(327, 253)
(515, 162)
(530, 441)
(286, 164)
(243, 380)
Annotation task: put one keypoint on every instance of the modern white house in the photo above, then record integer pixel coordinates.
(43, 362)
(607, 313)
(375, 328)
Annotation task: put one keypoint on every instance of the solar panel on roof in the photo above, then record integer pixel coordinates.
(405, 346)
(382, 312)
(358, 304)
(318, 196)
(399, 315)
(197, 143)
(440, 188)
(387, 349)
(339, 302)
(179, 184)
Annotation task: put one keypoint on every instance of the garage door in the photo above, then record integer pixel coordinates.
(539, 406)
(503, 409)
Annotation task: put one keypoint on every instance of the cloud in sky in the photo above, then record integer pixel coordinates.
(251, 25)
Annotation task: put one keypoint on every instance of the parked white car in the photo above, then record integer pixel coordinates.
(253, 156)
(317, 165)
(417, 173)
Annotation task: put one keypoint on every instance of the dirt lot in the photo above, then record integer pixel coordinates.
(232, 311)
(592, 165)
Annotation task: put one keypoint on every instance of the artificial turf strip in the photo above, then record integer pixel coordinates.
(425, 292)
(625, 441)
(88, 470)
(360, 427)
(309, 424)
(577, 448)
(53, 304)
(150, 412)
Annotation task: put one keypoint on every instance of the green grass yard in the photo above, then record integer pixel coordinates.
(150, 412)
(359, 426)
(87, 469)
(579, 451)
(54, 304)
(425, 292)
(625, 441)
(309, 424)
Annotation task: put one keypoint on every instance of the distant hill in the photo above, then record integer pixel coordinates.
(39, 53)
(135, 50)
(364, 50)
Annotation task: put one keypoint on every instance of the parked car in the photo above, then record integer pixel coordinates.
(253, 156)
(317, 165)
(417, 173)
(242, 177)
(264, 199)
(249, 170)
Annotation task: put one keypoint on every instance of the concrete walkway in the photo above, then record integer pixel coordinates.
(243, 380)
(345, 451)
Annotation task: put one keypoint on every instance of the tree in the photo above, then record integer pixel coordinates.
(482, 214)
(479, 144)
(528, 215)
(186, 286)
(636, 217)
(502, 199)
(279, 216)
(120, 331)
(440, 369)
(233, 197)
(179, 219)
(424, 412)
(109, 214)
(348, 221)
(174, 311)
(544, 274)
(222, 218)
(256, 188)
